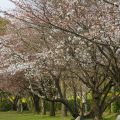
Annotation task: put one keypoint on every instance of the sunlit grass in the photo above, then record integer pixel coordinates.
(28, 116)
(31, 116)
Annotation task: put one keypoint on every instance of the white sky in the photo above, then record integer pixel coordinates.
(6, 5)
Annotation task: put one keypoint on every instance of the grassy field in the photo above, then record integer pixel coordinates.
(30, 116)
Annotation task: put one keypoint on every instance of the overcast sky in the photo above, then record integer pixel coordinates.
(6, 5)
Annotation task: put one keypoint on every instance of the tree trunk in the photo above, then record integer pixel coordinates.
(64, 110)
(70, 109)
(98, 116)
(52, 108)
(15, 101)
(43, 108)
(84, 102)
(63, 107)
(97, 113)
(97, 107)
(36, 100)
(19, 106)
(112, 106)
(76, 113)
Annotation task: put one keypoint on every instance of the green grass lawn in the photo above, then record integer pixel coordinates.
(28, 116)
(31, 116)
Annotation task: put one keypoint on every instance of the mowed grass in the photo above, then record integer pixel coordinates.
(31, 116)
(28, 116)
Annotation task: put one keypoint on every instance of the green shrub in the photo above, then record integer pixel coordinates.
(116, 106)
(57, 106)
(5, 105)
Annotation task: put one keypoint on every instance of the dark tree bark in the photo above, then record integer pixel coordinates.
(15, 101)
(76, 112)
(97, 107)
(36, 101)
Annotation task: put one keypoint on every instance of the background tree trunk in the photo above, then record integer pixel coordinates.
(63, 107)
(43, 108)
(52, 108)
(19, 106)
(64, 110)
(84, 102)
(112, 105)
(36, 101)
(76, 112)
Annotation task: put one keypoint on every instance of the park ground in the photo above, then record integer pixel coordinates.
(31, 116)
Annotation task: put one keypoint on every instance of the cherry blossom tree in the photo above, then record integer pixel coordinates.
(77, 39)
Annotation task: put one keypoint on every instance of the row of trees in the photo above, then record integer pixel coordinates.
(64, 48)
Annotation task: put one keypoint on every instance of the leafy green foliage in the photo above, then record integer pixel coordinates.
(116, 106)
(5, 105)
